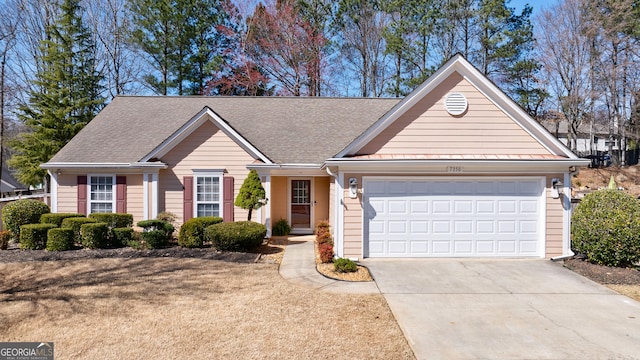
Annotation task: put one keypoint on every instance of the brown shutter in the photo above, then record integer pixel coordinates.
(228, 199)
(187, 196)
(121, 194)
(82, 195)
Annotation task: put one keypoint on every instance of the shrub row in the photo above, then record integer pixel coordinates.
(325, 242)
(236, 236)
(156, 233)
(192, 232)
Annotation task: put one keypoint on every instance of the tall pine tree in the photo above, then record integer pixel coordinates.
(67, 95)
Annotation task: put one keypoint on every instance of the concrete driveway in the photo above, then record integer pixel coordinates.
(506, 309)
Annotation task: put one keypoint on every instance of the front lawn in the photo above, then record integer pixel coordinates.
(188, 308)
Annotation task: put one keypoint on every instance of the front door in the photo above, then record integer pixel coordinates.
(300, 205)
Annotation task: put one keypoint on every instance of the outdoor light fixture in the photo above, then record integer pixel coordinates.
(557, 188)
(353, 188)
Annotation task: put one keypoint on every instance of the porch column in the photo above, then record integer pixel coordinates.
(150, 195)
(267, 208)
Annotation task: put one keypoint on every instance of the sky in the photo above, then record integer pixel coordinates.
(536, 4)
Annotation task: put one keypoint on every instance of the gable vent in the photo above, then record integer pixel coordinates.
(455, 103)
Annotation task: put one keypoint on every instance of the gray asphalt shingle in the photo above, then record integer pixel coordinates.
(287, 130)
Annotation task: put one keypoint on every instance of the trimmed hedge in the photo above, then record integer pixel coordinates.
(75, 223)
(281, 228)
(114, 220)
(22, 212)
(191, 233)
(5, 236)
(57, 218)
(59, 239)
(157, 233)
(606, 228)
(121, 236)
(34, 236)
(236, 236)
(95, 235)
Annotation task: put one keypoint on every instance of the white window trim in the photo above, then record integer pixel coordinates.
(208, 173)
(113, 191)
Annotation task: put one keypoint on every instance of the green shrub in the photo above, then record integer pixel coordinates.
(75, 223)
(57, 218)
(95, 235)
(59, 239)
(5, 236)
(156, 233)
(191, 233)
(121, 236)
(34, 236)
(281, 228)
(343, 265)
(326, 252)
(606, 228)
(167, 216)
(236, 236)
(114, 220)
(22, 212)
(136, 241)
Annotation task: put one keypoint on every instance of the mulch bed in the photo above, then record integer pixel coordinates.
(604, 274)
(14, 254)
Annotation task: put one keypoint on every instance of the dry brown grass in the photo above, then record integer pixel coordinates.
(188, 308)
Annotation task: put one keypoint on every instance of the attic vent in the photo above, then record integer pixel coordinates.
(455, 103)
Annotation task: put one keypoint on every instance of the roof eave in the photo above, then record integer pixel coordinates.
(86, 165)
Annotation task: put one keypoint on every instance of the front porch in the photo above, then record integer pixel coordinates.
(302, 199)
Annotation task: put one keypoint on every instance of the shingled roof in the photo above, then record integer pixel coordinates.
(287, 130)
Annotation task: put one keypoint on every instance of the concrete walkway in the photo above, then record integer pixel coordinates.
(299, 266)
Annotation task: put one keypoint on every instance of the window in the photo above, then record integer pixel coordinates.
(101, 193)
(208, 195)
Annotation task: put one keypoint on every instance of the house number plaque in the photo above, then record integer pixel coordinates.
(455, 169)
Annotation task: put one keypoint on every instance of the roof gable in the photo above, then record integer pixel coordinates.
(206, 114)
(457, 71)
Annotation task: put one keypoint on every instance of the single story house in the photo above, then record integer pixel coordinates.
(455, 169)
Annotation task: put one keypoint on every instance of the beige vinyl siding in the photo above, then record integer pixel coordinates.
(353, 217)
(135, 196)
(353, 227)
(206, 148)
(332, 209)
(427, 128)
(278, 199)
(67, 193)
(555, 221)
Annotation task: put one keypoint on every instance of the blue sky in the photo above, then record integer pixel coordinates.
(536, 4)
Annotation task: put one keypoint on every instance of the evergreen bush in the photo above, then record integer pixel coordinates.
(22, 212)
(95, 235)
(236, 236)
(191, 233)
(606, 228)
(34, 236)
(57, 218)
(59, 239)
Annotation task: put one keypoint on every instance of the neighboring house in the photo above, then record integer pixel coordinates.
(9, 186)
(455, 169)
(584, 146)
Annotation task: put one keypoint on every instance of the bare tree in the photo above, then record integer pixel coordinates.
(8, 29)
(110, 22)
(565, 55)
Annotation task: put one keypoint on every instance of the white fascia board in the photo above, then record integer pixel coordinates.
(137, 165)
(457, 167)
(206, 114)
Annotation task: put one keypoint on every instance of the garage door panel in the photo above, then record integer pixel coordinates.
(437, 218)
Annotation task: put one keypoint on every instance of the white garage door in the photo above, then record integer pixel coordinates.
(453, 217)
